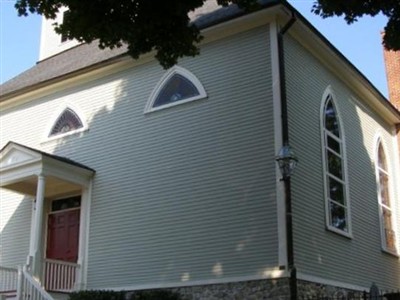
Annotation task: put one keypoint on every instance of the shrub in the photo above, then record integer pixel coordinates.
(97, 295)
(137, 295)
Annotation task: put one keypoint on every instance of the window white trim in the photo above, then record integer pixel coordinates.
(164, 79)
(379, 141)
(55, 117)
(329, 95)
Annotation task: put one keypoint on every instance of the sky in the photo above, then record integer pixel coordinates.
(359, 42)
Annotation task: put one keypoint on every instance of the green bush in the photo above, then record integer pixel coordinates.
(137, 295)
(97, 295)
(155, 295)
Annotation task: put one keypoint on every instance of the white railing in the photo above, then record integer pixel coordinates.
(29, 288)
(8, 279)
(59, 275)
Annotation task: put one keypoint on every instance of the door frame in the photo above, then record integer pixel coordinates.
(84, 221)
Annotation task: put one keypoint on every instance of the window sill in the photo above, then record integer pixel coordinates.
(165, 106)
(339, 232)
(391, 253)
(60, 136)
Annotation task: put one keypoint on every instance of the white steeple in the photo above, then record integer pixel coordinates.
(50, 42)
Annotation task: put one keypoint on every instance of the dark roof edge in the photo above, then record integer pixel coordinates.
(4, 97)
(380, 96)
(56, 157)
(95, 66)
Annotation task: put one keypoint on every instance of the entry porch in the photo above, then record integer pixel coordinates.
(59, 191)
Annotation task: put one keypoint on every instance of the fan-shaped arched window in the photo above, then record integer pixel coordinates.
(177, 86)
(385, 204)
(336, 196)
(68, 121)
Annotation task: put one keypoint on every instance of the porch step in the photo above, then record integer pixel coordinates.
(59, 295)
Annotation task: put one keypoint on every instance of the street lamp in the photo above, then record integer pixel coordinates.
(287, 161)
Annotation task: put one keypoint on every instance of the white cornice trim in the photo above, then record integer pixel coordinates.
(340, 284)
(276, 98)
(269, 274)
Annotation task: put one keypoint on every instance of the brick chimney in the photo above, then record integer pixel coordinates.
(392, 63)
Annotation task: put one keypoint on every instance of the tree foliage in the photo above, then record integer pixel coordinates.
(144, 25)
(352, 10)
(164, 25)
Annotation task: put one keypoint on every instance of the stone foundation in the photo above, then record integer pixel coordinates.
(275, 289)
(311, 290)
(271, 289)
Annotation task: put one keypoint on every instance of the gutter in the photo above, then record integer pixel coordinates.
(285, 138)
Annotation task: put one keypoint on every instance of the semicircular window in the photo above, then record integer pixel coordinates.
(68, 121)
(177, 86)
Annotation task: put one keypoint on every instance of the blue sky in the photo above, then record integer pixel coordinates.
(359, 42)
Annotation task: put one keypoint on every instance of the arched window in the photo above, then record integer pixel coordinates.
(68, 121)
(177, 86)
(385, 203)
(336, 196)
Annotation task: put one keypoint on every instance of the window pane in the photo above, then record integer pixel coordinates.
(335, 165)
(388, 228)
(333, 144)
(331, 122)
(384, 187)
(68, 121)
(338, 216)
(66, 203)
(382, 158)
(177, 88)
(336, 190)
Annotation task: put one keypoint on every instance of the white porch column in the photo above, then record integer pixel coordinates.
(37, 251)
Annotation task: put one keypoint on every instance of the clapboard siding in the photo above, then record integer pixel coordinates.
(195, 198)
(319, 252)
(15, 226)
(181, 194)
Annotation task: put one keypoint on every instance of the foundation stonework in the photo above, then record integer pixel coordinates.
(275, 289)
(271, 289)
(311, 290)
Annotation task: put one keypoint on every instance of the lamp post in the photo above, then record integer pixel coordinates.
(287, 162)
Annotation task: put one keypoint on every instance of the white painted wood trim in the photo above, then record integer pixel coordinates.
(340, 284)
(330, 92)
(86, 203)
(56, 115)
(270, 274)
(276, 98)
(379, 140)
(396, 178)
(164, 79)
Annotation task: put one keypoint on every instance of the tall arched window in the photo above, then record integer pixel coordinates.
(385, 203)
(336, 196)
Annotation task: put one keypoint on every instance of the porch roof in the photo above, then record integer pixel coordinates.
(20, 167)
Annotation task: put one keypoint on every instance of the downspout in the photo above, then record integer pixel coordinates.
(286, 181)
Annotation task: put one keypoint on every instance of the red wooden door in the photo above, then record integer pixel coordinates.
(63, 235)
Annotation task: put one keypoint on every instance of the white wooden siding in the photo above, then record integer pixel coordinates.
(358, 261)
(15, 227)
(183, 194)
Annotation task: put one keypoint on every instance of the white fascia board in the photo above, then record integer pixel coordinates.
(19, 173)
(329, 56)
(66, 171)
